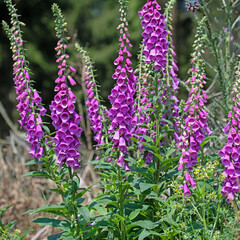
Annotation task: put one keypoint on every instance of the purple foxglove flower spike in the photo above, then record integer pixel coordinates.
(153, 24)
(29, 101)
(65, 119)
(230, 152)
(122, 111)
(195, 127)
(96, 112)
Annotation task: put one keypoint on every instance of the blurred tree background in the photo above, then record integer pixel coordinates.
(93, 22)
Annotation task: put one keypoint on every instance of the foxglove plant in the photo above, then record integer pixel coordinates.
(65, 119)
(195, 127)
(170, 81)
(163, 82)
(230, 152)
(122, 111)
(29, 102)
(95, 110)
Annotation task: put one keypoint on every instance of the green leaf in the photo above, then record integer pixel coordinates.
(25, 233)
(33, 162)
(92, 162)
(55, 236)
(61, 224)
(147, 224)
(83, 211)
(167, 121)
(170, 152)
(55, 209)
(134, 214)
(171, 221)
(147, 138)
(103, 175)
(145, 186)
(100, 209)
(207, 139)
(47, 130)
(143, 234)
(4, 209)
(110, 235)
(36, 173)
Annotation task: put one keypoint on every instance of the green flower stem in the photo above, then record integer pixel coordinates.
(216, 220)
(76, 221)
(49, 167)
(121, 206)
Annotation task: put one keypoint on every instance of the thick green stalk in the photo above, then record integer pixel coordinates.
(74, 201)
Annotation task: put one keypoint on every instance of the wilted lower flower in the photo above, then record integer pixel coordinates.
(65, 119)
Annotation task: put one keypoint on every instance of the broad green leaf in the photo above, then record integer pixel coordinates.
(207, 139)
(146, 224)
(134, 214)
(100, 209)
(36, 174)
(33, 162)
(145, 186)
(171, 221)
(103, 175)
(170, 152)
(55, 209)
(61, 224)
(55, 236)
(83, 211)
(143, 234)
(148, 139)
(47, 130)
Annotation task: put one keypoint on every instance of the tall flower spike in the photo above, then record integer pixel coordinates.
(122, 111)
(195, 127)
(29, 102)
(65, 119)
(230, 154)
(164, 79)
(154, 35)
(94, 109)
(142, 101)
(170, 81)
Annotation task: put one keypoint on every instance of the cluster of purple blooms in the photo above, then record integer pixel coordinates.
(29, 101)
(154, 34)
(230, 155)
(122, 111)
(92, 104)
(195, 128)
(63, 114)
(156, 46)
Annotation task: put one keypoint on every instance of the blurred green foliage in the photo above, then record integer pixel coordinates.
(93, 23)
